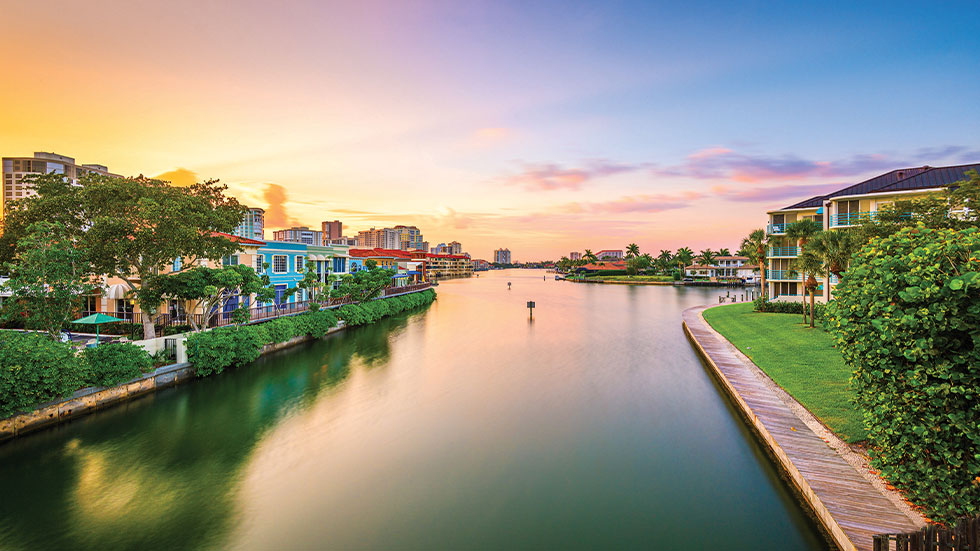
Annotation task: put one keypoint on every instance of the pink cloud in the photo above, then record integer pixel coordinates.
(773, 193)
(548, 177)
(644, 203)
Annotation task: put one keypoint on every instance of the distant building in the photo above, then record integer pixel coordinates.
(342, 240)
(409, 237)
(422, 246)
(384, 238)
(299, 235)
(449, 265)
(609, 253)
(332, 230)
(480, 265)
(728, 265)
(575, 256)
(253, 225)
(501, 256)
(455, 247)
(17, 170)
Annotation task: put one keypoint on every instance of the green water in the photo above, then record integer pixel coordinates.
(462, 426)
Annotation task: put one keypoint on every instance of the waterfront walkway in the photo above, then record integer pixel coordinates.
(848, 505)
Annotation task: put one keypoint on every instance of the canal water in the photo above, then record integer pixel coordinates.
(462, 426)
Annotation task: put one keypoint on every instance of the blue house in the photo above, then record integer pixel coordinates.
(287, 263)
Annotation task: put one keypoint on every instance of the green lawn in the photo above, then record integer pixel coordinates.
(636, 278)
(801, 360)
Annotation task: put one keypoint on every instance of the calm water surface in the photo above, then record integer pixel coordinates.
(463, 426)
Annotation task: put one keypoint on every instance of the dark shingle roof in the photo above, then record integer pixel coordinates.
(923, 177)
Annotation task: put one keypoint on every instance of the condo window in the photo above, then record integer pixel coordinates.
(280, 264)
(299, 264)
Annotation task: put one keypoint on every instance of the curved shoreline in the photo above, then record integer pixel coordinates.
(846, 503)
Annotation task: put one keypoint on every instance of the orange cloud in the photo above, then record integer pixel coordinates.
(276, 215)
(181, 177)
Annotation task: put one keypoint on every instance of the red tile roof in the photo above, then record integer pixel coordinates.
(237, 239)
(605, 265)
(455, 256)
(380, 253)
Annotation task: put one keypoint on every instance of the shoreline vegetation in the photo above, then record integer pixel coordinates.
(624, 279)
(803, 361)
(45, 384)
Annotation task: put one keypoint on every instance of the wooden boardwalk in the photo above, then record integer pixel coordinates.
(850, 508)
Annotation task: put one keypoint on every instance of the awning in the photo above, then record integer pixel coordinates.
(399, 276)
(117, 291)
(316, 257)
(820, 210)
(413, 272)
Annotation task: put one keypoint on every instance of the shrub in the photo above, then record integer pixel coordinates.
(35, 369)
(111, 364)
(320, 322)
(353, 315)
(212, 351)
(776, 307)
(907, 319)
(282, 329)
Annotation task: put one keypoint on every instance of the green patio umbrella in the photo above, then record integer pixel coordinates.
(97, 320)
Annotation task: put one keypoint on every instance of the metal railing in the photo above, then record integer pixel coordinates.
(784, 275)
(777, 228)
(784, 251)
(857, 218)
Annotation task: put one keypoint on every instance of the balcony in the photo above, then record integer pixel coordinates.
(784, 275)
(843, 220)
(776, 229)
(776, 252)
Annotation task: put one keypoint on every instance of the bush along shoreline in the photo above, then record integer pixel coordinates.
(214, 351)
(34, 369)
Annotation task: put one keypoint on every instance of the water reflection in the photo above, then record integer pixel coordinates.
(162, 472)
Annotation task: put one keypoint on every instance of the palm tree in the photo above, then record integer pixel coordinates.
(706, 257)
(755, 246)
(834, 248)
(590, 256)
(724, 252)
(632, 250)
(684, 257)
(801, 232)
(810, 263)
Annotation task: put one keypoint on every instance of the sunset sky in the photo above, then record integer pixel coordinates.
(544, 127)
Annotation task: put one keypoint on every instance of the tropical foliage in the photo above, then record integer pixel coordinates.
(907, 320)
(35, 369)
(48, 277)
(111, 364)
(210, 289)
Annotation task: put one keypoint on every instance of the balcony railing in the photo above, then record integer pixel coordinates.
(857, 218)
(772, 229)
(784, 251)
(791, 275)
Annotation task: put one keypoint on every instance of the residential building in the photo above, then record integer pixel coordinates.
(384, 238)
(422, 246)
(287, 266)
(449, 265)
(349, 241)
(602, 266)
(330, 261)
(610, 254)
(842, 209)
(17, 172)
(728, 265)
(332, 230)
(455, 247)
(701, 270)
(574, 256)
(480, 265)
(253, 225)
(409, 267)
(299, 235)
(501, 256)
(409, 237)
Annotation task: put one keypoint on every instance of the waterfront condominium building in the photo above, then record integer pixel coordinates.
(574, 256)
(299, 235)
(422, 246)
(409, 237)
(612, 254)
(843, 209)
(253, 225)
(384, 238)
(18, 170)
(332, 230)
(501, 256)
(455, 247)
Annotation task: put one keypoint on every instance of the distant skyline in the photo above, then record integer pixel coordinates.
(544, 127)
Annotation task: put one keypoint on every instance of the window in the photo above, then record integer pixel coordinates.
(258, 263)
(280, 263)
(299, 264)
(231, 260)
(177, 264)
(91, 305)
(340, 264)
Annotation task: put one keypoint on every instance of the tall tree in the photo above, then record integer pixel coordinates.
(809, 263)
(48, 277)
(801, 232)
(590, 256)
(364, 284)
(706, 257)
(133, 227)
(755, 246)
(210, 289)
(724, 252)
(684, 257)
(632, 250)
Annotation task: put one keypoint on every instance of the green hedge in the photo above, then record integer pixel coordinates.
(111, 364)
(35, 369)
(777, 307)
(213, 351)
(907, 320)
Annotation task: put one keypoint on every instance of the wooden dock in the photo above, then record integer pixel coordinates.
(848, 505)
